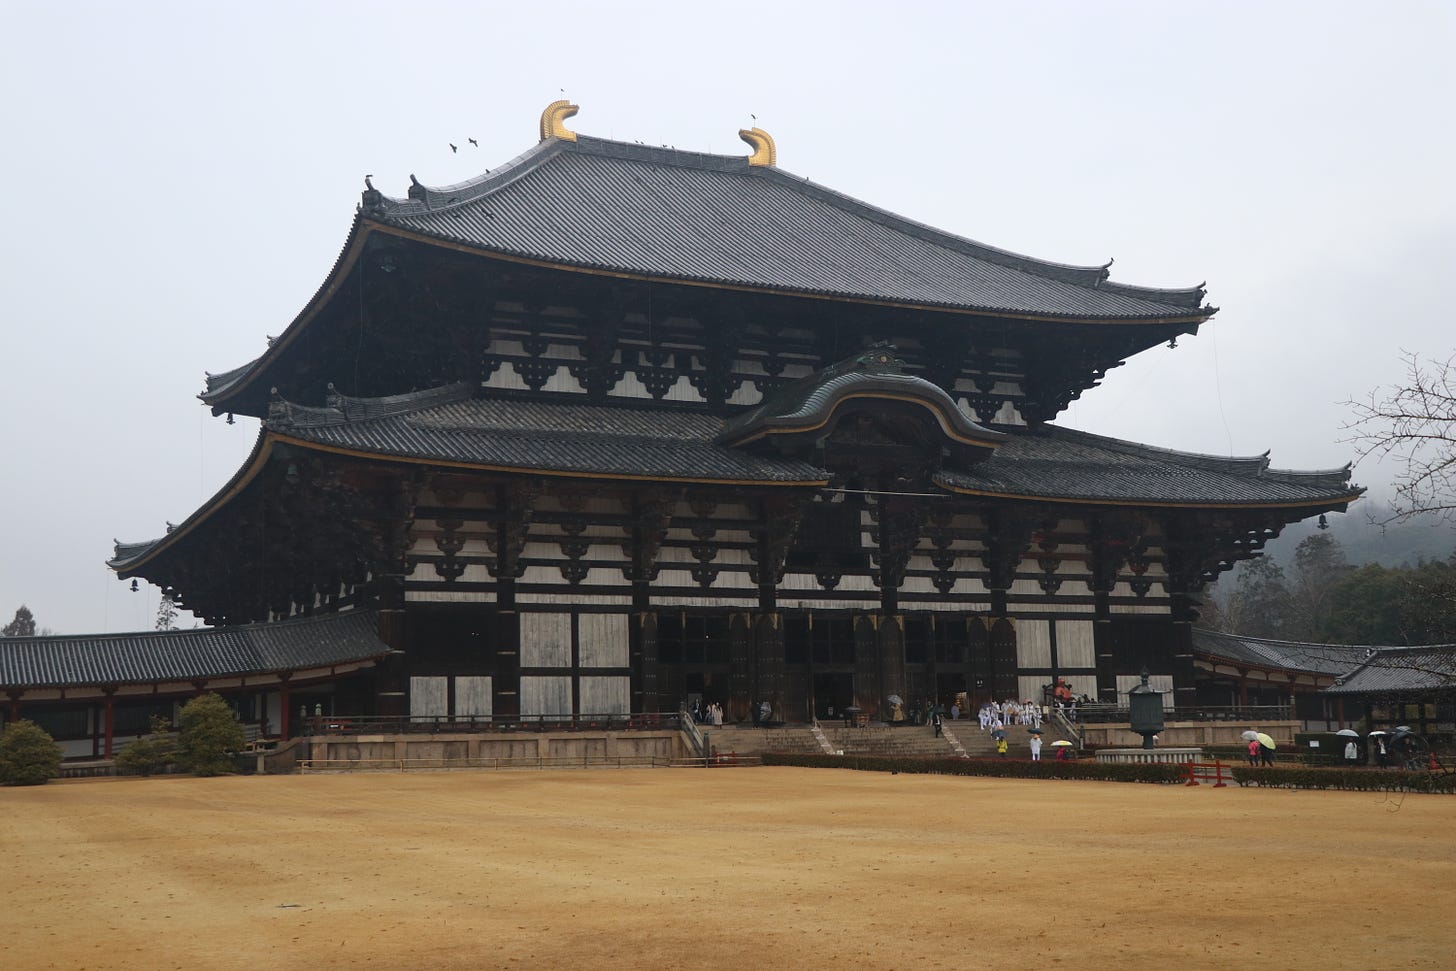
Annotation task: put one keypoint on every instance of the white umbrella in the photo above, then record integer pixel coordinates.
(1250, 736)
(895, 700)
(1349, 732)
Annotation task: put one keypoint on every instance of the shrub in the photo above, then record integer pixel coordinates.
(28, 755)
(1360, 780)
(208, 736)
(1156, 772)
(147, 756)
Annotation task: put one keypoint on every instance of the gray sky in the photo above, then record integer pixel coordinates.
(179, 178)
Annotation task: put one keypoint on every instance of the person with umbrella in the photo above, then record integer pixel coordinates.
(1064, 750)
(1035, 745)
(1266, 749)
(1352, 750)
(1382, 754)
(1001, 747)
(1253, 739)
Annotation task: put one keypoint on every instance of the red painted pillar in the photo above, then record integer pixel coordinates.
(283, 707)
(1340, 710)
(110, 721)
(1243, 689)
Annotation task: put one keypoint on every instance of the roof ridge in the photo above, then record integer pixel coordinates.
(339, 408)
(192, 631)
(424, 198)
(1256, 463)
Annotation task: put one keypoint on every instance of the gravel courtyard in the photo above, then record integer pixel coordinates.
(691, 868)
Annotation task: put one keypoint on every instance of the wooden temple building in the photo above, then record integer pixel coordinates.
(612, 427)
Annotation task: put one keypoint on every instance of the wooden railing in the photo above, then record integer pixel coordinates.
(413, 724)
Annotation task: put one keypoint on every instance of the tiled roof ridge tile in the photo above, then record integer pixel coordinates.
(425, 199)
(1257, 465)
(190, 632)
(339, 408)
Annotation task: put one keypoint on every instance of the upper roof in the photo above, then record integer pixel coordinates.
(151, 657)
(628, 210)
(668, 214)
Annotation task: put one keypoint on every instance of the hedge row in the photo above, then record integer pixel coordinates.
(993, 768)
(1367, 780)
(1363, 780)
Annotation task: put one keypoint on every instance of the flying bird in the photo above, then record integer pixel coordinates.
(473, 142)
(453, 148)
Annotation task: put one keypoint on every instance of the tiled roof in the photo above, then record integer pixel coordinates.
(514, 433)
(187, 655)
(1330, 659)
(667, 214)
(1402, 670)
(1060, 463)
(626, 441)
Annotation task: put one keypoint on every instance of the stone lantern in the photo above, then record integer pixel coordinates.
(1145, 710)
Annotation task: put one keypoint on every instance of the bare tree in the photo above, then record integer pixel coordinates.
(1415, 422)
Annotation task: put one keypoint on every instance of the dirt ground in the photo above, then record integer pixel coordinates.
(721, 868)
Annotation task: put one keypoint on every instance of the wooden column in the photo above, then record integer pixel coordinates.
(284, 706)
(643, 632)
(110, 724)
(13, 709)
(741, 703)
(867, 664)
(768, 642)
(891, 637)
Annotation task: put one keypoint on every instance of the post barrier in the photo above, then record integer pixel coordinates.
(1207, 771)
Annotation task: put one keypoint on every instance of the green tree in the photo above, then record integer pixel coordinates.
(22, 626)
(1319, 564)
(208, 736)
(1261, 604)
(1368, 606)
(1430, 605)
(28, 756)
(167, 611)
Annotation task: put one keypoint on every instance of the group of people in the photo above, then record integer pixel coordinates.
(711, 714)
(993, 715)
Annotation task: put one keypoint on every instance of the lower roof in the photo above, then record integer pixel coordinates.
(449, 428)
(1402, 671)
(1295, 656)
(153, 657)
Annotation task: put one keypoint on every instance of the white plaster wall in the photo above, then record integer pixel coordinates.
(1033, 646)
(473, 697)
(429, 697)
(545, 696)
(1076, 644)
(603, 642)
(606, 696)
(545, 640)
